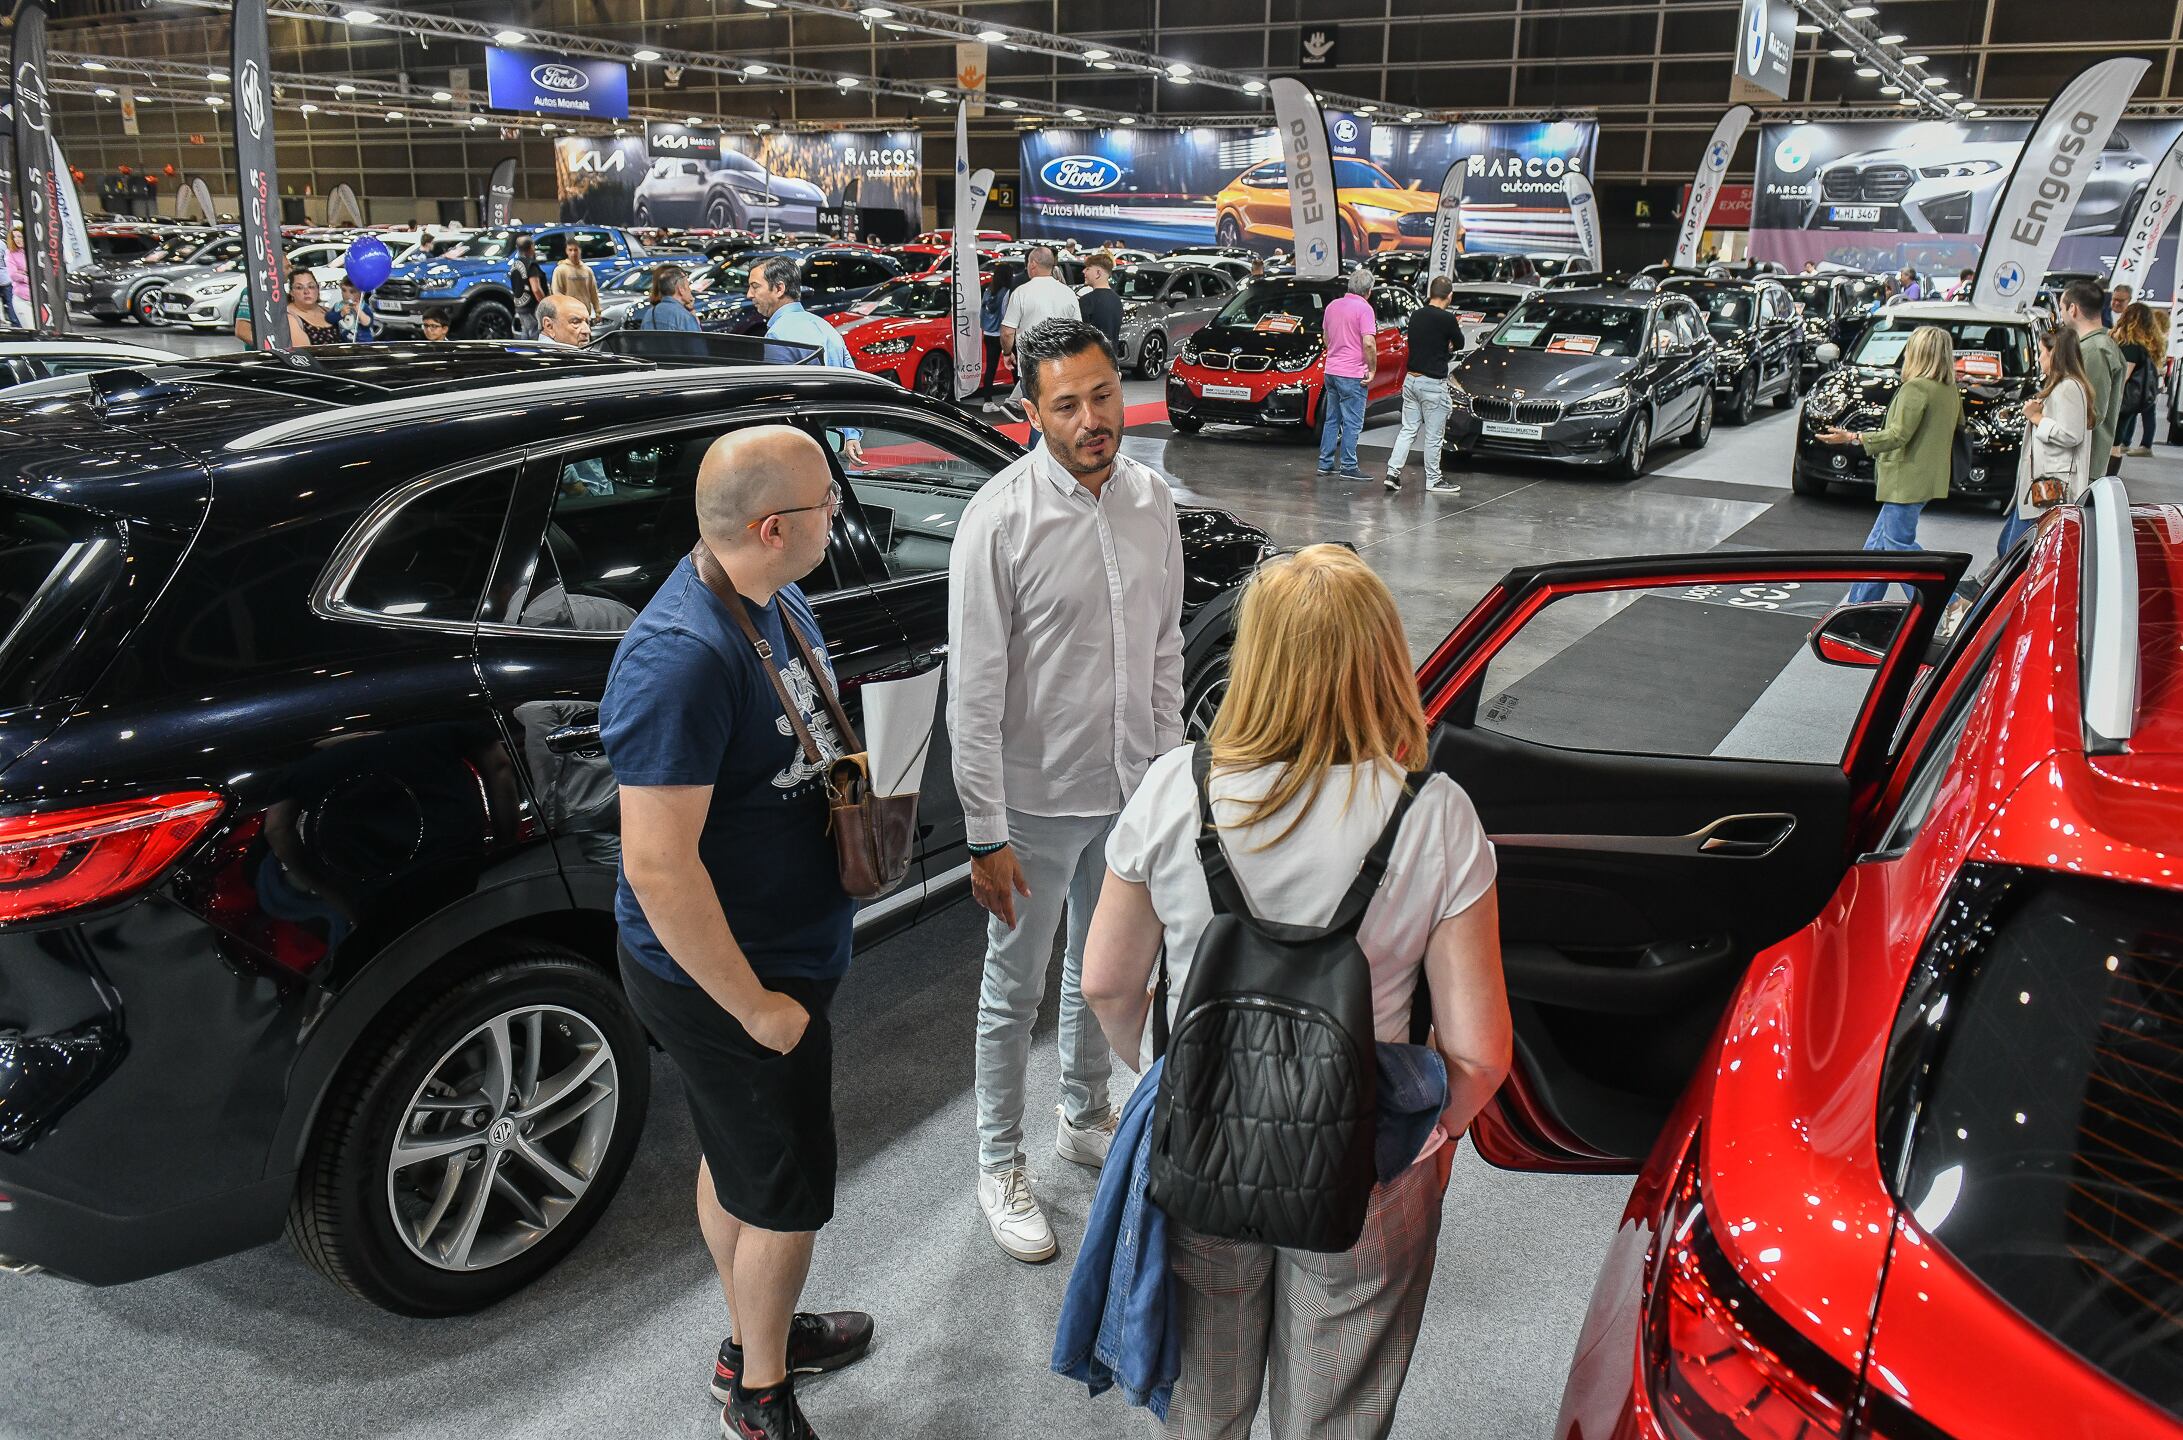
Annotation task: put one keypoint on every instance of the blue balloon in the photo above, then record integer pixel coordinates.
(369, 262)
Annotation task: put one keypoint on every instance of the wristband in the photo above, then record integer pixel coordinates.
(983, 850)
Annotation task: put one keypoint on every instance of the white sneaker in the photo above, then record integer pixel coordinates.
(2139, 450)
(1012, 1213)
(1086, 1144)
(1445, 487)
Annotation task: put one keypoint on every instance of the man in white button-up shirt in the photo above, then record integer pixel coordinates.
(1064, 684)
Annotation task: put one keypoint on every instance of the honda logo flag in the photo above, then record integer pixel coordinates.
(2163, 197)
(1302, 136)
(2049, 179)
(258, 182)
(500, 194)
(1584, 213)
(1448, 221)
(1712, 169)
(968, 334)
(34, 163)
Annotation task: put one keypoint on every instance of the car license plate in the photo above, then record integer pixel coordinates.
(1503, 430)
(1854, 214)
(1227, 392)
(391, 307)
(175, 308)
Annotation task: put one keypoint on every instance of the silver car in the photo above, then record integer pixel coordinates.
(112, 293)
(1162, 306)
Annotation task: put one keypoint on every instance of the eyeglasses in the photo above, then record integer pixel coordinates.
(830, 503)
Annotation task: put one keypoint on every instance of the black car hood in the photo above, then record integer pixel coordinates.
(1492, 369)
(1219, 552)
(1870, 386)
(1248, 340)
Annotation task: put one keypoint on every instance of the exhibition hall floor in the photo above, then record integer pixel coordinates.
(618, 1341)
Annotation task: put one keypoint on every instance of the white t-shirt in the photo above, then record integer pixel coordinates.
(1441, 865)
(1036, 301)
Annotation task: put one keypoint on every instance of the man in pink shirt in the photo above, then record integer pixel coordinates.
(1352, 358)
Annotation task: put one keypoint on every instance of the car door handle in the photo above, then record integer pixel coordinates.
(1746, 837)
(575, 740)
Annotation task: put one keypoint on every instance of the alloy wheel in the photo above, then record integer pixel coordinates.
(935, 376)
(1640, 437)
(503, 1138)
(1152, 356)
(148, 303)
(1198, 724)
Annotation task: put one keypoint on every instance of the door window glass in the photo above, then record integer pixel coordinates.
(911, 487)
(1712, 669)
(595, 245)
(430, 558)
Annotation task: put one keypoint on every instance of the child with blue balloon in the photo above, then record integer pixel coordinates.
(365, 269)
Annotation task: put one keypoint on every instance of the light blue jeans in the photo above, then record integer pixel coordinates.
(1343, 406)
(1896, 528)
(1424, 405)
(1064, 861)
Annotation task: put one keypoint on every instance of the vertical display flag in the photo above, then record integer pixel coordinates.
(34, 164)
(343, 198)
(1584, 214)
(1301, 132)
(1712, 169)
(75, 239)
(2049, 179)
(203, 192)
(2157, 207)
(1448, 220)
(967, 339)
(257, 180)
(500, 194)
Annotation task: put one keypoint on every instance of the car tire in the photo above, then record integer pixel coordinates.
(642, 215)
(1203, 692)
(1806, 484)
(1636, 447)
(343, 1216)
(722, 213)
(1747, 399)
(1151, 356)
(486, 320)
(1185, 424)
(935, 376)
(1792, 392)
(1701, 427)
(1228, 233)
(145, 303)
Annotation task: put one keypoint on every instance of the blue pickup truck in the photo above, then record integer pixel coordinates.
(470, 281)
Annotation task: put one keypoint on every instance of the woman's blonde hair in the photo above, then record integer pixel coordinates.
(1930, 355)
(1321, 677)
(2139, 324)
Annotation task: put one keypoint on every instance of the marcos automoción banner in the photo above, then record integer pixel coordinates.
(1165, 188)
(1881, 194)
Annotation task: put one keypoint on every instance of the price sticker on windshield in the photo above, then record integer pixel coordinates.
(1470, 317)
(1573, 345)
(1978, 364)
(1278, 324)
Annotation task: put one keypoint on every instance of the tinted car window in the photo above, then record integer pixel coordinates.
(1273, 175)
(1306, 300)
(1886, 337)
(2039, 1041)
(911, 487)
(1581, 329)
(429, 559)
(1138, 283)
(1391, 305)
(57, 565)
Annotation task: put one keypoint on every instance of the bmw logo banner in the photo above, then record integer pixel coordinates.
(556, 84)
(1301, 132)
(1712, 169)
(2065, 147)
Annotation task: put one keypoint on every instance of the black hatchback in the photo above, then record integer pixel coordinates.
(307, 844)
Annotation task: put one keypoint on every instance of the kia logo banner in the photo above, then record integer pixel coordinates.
(500, 194)
(257, 180)
(555, 84)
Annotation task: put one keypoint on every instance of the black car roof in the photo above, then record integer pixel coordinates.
(1684, 284)
(1606, 294)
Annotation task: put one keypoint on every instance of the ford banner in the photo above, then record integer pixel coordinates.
(555, 84)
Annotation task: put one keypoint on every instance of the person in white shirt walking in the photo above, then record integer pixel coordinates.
(1030, 305)
(1064, 681)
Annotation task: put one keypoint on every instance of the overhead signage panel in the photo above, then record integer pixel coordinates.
(555, 84)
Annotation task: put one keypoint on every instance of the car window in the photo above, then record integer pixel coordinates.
(1273, 175)
(1932, 763)
(428, 558)
(594, 245)
(1217, 286)
(828, 272)
(1714, 670)
(1572, 328)
(1390, 305)
(624, 515)
(911, 487)
(85, 364)
(1689, 326)
(863, 272)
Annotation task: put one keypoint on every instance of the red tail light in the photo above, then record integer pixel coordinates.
(1719, 1365)
(92, 854)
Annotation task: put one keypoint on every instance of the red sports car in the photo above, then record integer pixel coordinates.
(1262, 359)
(1867, 946)
(902, 332)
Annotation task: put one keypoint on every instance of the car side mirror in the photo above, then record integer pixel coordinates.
(1827, 353)
(1858, 636)
(1176, 299)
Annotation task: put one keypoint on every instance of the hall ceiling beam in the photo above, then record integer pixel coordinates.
(1862, 39)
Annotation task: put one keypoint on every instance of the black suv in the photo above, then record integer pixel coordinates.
(1758, 342)
(307, 844)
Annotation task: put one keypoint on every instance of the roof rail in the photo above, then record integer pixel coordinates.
(489, 399)
(2109, 637)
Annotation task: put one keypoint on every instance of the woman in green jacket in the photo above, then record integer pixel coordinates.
(1915, 449)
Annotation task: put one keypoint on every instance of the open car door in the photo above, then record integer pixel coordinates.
(1671, 755)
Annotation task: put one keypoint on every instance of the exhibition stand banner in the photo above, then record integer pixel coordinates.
(1448, 222)
(556, 84)
(1712, 169)
(698, 177)
(966, 334)
(36, 163)
(1881, 194)
(1584, 210)
(75, 239)
(596, 177)
(500, 194)
(258, 182)
(2156, 211)
(2054, 169)
(1165, 189)
(1309, 159)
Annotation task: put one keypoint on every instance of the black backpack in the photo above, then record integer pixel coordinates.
(1267, 1112)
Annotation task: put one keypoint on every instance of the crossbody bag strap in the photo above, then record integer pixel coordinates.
(716, 580)
(842, 727)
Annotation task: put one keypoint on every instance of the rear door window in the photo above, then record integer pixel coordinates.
(58, 566)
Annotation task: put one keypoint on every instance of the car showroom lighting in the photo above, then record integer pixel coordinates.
(848, 82)
(1916, 59)
(754, 68)
(1860, 12)
(763, 4)
(1951, 94)
(762, 126)
(93, 65)
(1098, 54)
(1252, 87)
(509, 37)
(692, 120)
(214, 101)
(442, 96)
(897, 26)
(217, 77)
(1908, 100)
(1842, 52)
(1805, 27)
(1414, 116)
(394, 115)
(876, 12)
(360, 17)
(1178, 71)
(308, 108)
(1893, 37)
(645, 57)
(936, 94)
(1977, 114)
(1129, 119)
(477, 120)
(1103, 65)
(992, 37)
(103, 93)
(1006, 104)
(1073, 113)
(1964, 104)
(1867, 72)
(1891, 89)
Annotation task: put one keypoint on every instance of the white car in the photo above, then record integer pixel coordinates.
(211, 303)
(39, 358)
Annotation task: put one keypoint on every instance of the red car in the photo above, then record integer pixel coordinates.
(902, 331)
(1868, 947)
(1262, 359)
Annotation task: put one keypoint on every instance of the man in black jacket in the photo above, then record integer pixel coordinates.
(1435, 337)
(1101, 306)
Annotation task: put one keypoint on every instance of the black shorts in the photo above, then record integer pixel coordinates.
(764, 1120)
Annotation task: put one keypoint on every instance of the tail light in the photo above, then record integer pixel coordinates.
(89, 855)
(1718, 1364)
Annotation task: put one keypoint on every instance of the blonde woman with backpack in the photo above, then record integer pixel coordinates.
(1312, 749)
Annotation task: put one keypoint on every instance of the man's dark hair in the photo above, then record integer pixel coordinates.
(782, 274)
(526, 243)
(1440, 289)
(2084, 296)
(1056, 340)
(439, 314)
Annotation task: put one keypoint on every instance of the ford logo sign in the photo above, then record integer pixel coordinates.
(1081, 174)
(564, 79)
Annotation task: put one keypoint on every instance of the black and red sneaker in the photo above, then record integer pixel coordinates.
(816, 1344)
(768, 1414)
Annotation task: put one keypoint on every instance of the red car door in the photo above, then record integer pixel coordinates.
(1672, 766)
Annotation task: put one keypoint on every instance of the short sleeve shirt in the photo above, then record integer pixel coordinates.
(1349, 323)
(688, 703)
(1037, 301)
(1441, 865)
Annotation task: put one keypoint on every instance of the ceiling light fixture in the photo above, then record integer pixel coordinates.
(1842, 52)
(509, 37)
(306, 107)
(1073, 113)
(1867, 72)
(344, 89)
(217, 77)
(1252, 87)
(476, 120)
(103, 93)
(1414, 116)
(936, 94)
(1103, 65)
(214, 101)
(1907, 100)
(93, 65)
(360, 17)
(876, 12)
(1007, 104)
(897, 26)
(1368, 109)
(762, 126)
(1806, 28)
(1860, 12)
(1098, 54)
(1178, 71)
(992, 37)
(1951, 94)
(692, 120)
(442, 96)
(1977, 114)
(1891, 89)
(645, 57)
(848, 82)
(763, 4)
(394, 114)
(1129, 119)
(1893, 37)
(1916, 59)
(754, 68)
(549, 125)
